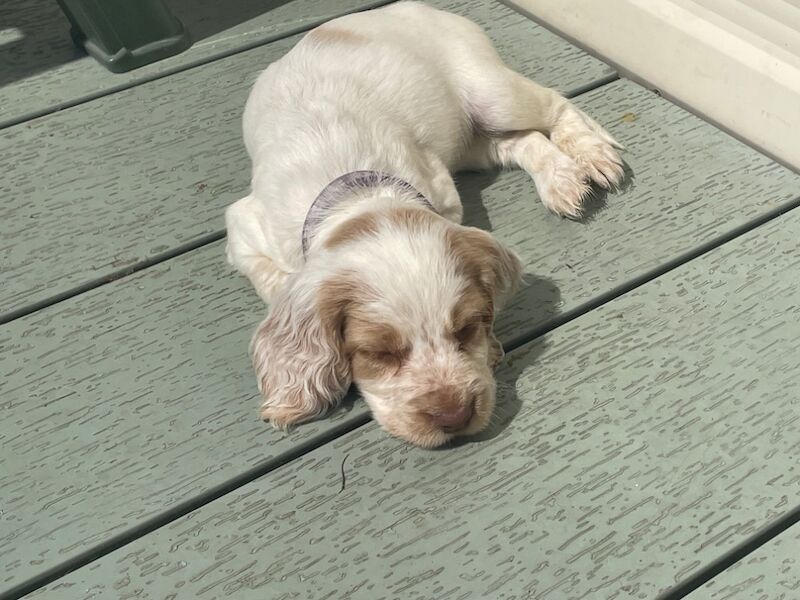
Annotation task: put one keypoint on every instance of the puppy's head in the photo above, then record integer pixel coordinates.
(402, 303)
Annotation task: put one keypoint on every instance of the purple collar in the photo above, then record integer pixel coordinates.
(333, 192)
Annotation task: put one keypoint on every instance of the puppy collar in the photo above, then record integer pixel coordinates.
(334, 191)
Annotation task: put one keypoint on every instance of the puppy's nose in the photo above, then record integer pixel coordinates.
(453, 420)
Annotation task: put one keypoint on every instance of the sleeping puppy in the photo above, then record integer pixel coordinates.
(352, 233)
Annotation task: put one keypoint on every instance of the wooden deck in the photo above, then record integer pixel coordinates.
(647, 438)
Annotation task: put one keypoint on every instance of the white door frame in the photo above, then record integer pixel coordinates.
(735, 62)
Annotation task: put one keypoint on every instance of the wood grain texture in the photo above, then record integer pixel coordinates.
(631, 446)
(143, 388)
(41, 69)
(771, 572)
(97, 188)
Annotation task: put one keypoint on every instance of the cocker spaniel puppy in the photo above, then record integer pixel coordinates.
(352, 233)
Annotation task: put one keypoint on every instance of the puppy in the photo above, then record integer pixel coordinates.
(352, 229)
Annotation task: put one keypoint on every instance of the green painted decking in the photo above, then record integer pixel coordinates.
(648, 411)
(771, 572)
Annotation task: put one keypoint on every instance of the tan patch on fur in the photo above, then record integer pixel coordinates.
(472, 317)
(331, 34)
(358, 227)
(414, 218)
(366, 224)
(484, 260)
(336, 297)
(474, 306)
(375, 350)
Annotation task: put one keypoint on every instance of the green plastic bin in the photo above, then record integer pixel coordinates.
(125, 34)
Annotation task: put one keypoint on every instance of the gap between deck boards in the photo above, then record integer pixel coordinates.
(714, 568)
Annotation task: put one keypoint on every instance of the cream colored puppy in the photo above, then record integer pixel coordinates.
(351, 231)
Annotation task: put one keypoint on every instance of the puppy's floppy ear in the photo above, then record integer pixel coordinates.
(297, 350)
(497, 268)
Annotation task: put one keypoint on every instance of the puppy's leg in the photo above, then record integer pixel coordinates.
(244, 237)
(592, 147)
(440, 187)
(559, 179)
(501, 101)
(266, 278)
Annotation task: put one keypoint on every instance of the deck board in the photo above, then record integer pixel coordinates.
(40, 69)
(633, 445)
(127, 177)
(142, 387)
(770, 573)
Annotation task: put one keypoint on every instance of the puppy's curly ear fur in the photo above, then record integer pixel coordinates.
(297, 350)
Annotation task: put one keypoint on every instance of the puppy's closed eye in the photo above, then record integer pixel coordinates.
(471, 316)
(377, 351)
(466, 333)
(384, 356)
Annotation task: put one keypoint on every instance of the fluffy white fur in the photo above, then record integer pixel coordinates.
(416, 93)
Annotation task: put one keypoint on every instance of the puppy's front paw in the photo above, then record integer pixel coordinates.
(598, 159)
(562, 186)
(591, 146)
